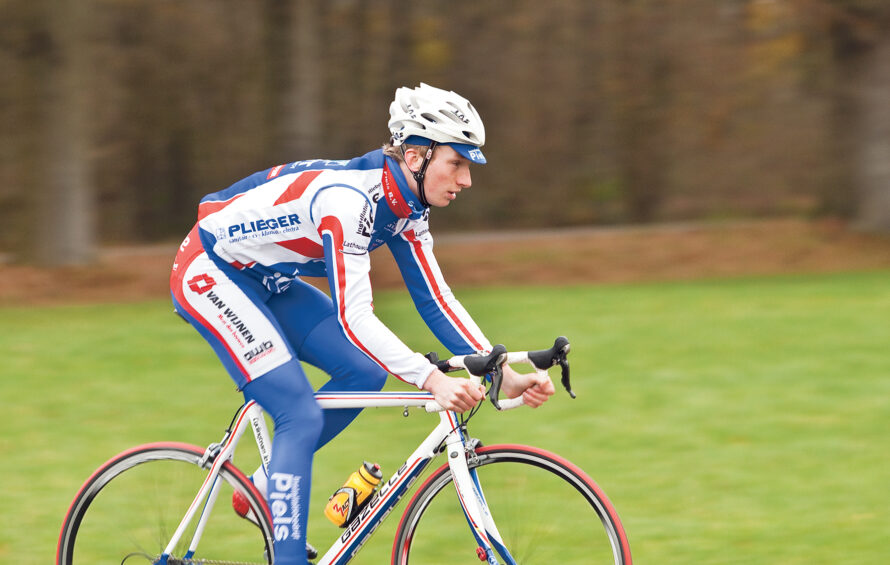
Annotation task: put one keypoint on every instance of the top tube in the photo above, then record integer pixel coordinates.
(336, 400)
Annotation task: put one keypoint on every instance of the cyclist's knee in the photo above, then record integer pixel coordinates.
(285, 393)
(360, 373)
(328, 349)
(353, 370)
(310, 418)
(297, 418)
(376, 379)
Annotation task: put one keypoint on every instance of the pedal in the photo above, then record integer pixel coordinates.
(311, 552)
(242, 508)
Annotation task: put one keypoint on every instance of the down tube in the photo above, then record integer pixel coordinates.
(360, 529)
(389, 494)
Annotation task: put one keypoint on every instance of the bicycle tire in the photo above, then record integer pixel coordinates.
(534, 499)
(127, 511)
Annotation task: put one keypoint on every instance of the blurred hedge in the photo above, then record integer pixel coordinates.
(596, 112)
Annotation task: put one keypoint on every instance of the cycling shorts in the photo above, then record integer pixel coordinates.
(228, 308)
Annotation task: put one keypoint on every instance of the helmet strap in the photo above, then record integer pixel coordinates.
(419, 175)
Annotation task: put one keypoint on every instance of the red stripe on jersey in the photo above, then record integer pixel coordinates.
(190, 248)
(331, 225)
(298, 187)
(273, 172)
(393, 196)
(436, 292)
(303, 246)
(242, 266)
(207, 208)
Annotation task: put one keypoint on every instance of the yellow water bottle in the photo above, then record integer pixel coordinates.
(346, 502)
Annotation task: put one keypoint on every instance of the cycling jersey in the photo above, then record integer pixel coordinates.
(322, 218)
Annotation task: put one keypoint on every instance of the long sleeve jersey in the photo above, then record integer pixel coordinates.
(323, 218)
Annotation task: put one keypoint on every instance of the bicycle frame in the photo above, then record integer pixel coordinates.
(448, 432)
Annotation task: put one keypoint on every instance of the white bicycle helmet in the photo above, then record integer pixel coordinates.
(436, 115)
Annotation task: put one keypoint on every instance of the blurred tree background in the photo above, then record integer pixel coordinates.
(118, 115)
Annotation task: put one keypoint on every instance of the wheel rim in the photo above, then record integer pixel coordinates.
(540, 514)
(128, 513)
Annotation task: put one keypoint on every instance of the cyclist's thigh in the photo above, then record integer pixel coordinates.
(228, 310)
(299, 309)
(309, 320)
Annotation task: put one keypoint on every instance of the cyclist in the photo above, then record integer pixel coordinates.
(236, 279)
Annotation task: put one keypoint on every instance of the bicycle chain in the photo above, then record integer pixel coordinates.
(212, 562)
(216, 562)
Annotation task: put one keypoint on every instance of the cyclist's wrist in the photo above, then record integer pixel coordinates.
(422, 381)
(433, 380)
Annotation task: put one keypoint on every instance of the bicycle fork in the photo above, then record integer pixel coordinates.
(472, 501)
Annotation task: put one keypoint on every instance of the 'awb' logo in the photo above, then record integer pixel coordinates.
(201, 283)
(257, 351)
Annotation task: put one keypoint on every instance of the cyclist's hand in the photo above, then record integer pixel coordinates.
(535, 389)
(453, 393)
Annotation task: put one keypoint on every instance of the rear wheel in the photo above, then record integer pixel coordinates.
(129, 509)
(546, 509)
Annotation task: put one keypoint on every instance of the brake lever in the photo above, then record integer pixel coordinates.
(564, 366)
(489, 366)
(441, 364)
(497, 378)
(562, 347)
(556, 355)
(485, 366)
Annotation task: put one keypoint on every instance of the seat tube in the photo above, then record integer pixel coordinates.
(260, 434)
(209, 489)
(205, 514)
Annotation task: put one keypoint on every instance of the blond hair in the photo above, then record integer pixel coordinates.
(396, 153)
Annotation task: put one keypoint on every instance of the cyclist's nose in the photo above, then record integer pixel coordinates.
(464, 179)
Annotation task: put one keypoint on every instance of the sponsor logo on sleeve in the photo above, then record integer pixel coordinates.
(353, 248)
(365, 221)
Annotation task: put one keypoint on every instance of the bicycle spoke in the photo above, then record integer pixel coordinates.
(131, 511)
(543, 513)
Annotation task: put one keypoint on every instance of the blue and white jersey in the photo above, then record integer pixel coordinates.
(323, 218)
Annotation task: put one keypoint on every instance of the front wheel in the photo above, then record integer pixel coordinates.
(127, 512)
(546, 509)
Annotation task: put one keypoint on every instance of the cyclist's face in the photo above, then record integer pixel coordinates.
(447, 174)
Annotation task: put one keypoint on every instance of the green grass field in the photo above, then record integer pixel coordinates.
(738, 421)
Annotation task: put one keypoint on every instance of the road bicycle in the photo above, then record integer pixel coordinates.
(157, 503)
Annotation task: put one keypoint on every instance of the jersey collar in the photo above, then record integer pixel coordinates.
(402, 202)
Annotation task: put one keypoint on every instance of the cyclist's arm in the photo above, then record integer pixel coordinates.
(451, 323)
(338, 216)
(445, 316)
